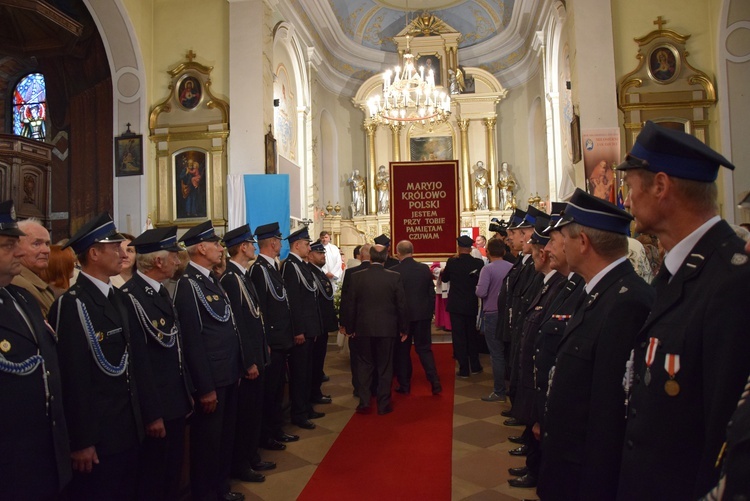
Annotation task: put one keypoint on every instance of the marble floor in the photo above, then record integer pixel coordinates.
(480, 445)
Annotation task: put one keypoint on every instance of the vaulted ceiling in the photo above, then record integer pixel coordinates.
(354, 38)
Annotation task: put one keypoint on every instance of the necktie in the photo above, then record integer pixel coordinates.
(662, 279)
(111, 295)
(163, 292)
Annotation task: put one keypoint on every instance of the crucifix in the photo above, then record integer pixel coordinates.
(191, 55)
(660, 22)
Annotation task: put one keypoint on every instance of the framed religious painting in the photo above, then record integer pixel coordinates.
(429, 148)
(430, 62)
(664, 63)
(189, 91)
(129, 155)
(191, 176)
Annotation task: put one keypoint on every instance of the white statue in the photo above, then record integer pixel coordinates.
(358, 193)
(383, 182)
(507, 185)
(481, 186)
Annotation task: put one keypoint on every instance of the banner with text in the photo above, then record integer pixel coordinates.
(424, 207)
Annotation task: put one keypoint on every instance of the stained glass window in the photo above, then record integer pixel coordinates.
(30, 107)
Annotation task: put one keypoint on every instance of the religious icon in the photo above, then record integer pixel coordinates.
(189, 92)
(663, 64)
(190, 183)
(129, 154)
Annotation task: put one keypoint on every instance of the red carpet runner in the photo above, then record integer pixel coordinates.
(403, 455)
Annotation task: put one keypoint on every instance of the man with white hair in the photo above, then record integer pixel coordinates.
(35, 246)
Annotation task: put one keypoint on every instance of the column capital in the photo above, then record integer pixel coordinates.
(370, 128)
(396, 128)
(463, 124)
(490, 122)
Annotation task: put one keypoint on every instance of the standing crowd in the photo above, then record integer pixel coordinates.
(625, 390)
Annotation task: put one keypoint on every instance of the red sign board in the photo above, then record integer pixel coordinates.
(424, 206)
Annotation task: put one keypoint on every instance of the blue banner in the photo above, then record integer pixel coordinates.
(267, 201)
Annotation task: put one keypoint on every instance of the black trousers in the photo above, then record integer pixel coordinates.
(300, 373)
(211, 444)
(249, 419)
(419, 334)
(320, 348)
(160, 463)
(374, 354)
(273, 395)
(465, 343)
(113, 478)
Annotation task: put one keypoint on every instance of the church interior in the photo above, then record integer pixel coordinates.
(171, 112)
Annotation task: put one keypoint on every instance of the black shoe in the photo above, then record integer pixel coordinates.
(505, 413)
(518, 472)
(462, 376)
(519, 451)
(286, 437)
(304, 423)
(403, 389)
(325, 399)
(236, 496)
(273, 445)
(264, 466)
(363, 409)
(526, 481)
(478, 371)
(436, 388)
(513, 422)
(325, 378)
(247, 475)
(315, 415)
(385, 410)
(517, 440)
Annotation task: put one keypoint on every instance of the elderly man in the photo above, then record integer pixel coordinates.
(691, 357)
(212, 354)
(585, 419)
(164, 387)
(32, 412)
(346, 294)
(101, 401)
(377, 314)
(36, 247)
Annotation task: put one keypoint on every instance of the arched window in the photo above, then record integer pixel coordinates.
(30, 107)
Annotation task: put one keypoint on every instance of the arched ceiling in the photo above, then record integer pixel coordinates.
(353, 39)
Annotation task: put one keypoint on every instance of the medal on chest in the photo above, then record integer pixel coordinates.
(672, 366)
(650, 355)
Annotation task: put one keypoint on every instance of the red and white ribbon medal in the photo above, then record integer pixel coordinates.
(672, 366)
(650, 354)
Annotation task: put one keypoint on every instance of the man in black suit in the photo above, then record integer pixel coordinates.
(691, 356)
(328, 317)
(420, 301)
(306, 327)
(383, 240)
(523, 406)
(377, 314)
(246, 462)
(100, 398)
(212, 353)
(585, 420)
(163, 383)
(272, 296)
(32, 414)
(346, 294)
(462, 273)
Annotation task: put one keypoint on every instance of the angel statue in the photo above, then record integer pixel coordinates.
(357, 183)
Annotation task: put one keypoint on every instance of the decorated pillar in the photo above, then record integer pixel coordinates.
(372, 200)
(463, 126)
(396, 141)
(489, 126)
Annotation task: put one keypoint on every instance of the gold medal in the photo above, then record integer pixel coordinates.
(100, 336)
(209, 298)
(5, 346)
(155, 323)
(162, 322)
(161, 336)
(672, 387)
(216, 297)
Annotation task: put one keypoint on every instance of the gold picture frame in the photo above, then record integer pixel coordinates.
(663, 63)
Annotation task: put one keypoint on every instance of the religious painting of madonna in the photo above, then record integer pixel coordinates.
(190, 170)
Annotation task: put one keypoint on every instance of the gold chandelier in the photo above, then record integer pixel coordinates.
(410, 96)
